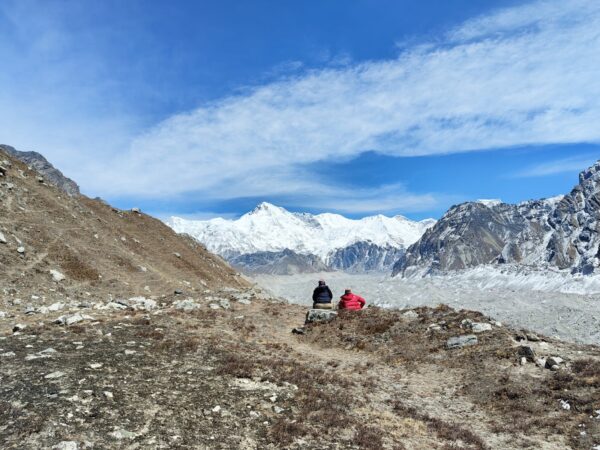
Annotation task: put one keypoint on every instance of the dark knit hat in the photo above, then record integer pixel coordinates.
(348, 291)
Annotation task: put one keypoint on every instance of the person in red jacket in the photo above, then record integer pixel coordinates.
(351, 301)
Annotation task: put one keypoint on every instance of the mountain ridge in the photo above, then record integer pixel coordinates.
(270, 229)
(560, 232)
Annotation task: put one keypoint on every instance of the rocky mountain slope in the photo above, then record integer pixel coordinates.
(560, 232)
(54, 244)
(44, 168)
(255, 241)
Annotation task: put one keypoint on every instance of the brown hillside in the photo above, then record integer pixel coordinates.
(99, 249)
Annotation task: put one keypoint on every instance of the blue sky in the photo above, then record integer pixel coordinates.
(203, 108)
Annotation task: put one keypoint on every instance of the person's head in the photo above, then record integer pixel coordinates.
(322, 283)
(347, 291)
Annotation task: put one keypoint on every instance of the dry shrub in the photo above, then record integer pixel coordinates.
(444, 430)
(587, 367)
(235, 365)
(283, 431)
(368, 438)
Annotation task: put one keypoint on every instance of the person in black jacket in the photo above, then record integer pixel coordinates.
(322, 296)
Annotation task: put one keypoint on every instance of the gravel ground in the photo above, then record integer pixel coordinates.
(566, 316)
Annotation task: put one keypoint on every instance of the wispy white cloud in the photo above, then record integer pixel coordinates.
(563, 165)
(528, 75)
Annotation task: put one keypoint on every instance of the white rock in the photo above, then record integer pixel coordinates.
(21, 250)
(130, 352)
(216, 409)
(2, 238)
(479, 327)
(7, 355)
(142, 303)
(66, 445)
(56, 275)
(108, 395)
(122, 434)
(186, 305)
(70, 320)
(95, 365)
(410, 315)
(54, 375)
(565, 405)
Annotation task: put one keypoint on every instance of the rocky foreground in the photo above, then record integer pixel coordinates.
(223, 370)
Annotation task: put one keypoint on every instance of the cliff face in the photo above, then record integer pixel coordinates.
(559, 232)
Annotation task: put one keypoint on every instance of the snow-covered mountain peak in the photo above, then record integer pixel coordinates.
(270, 228)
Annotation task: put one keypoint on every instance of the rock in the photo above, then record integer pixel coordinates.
(177, 255)
(21, 250)
(178, 292)
(2, 238)
(108, 395)
(216, 409)
(3, 170)
(298, 331)
(186, 305)
(278, 409)
(95, 365)
(320, 316)
(523, 361)
(244, 301)
(142, 303)
(540, 362)
(136, 210)
(19, 327)
(2, 314)
(527, 352)
(66, 445)
(225, 304)
(56, 275)
(553, 361)
(565, 405)
(70, 320)
(214, 306)
(461, 341)
(478, 327)
(40, 179)
(532, 337)
(7, 355)
(410, 315)
(54, 375)
(122, 434)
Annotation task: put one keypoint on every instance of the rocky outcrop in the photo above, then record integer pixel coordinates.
(50, 174)
(560, 232)
(286, 262)
(364, 256)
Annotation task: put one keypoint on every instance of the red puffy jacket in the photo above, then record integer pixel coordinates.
(351, 301)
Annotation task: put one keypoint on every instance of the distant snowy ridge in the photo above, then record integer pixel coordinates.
(371, 243)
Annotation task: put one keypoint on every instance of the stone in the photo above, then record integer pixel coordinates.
(214, 306)
(70, 320)
(523, 361)
(2, 238)
(553, 361)
(320, 316)
(278, 409)
(216, 409)
(142, 303)
(136, 210)
(177, 255)
(478, 327)
(19, 327)
(54, 375)
(298, 331)
(108, 395)
(95, 365)
(21, 250)
(40, 179)
(462, 341)
(178, 292)
(56, 275)
(532, 337)
(186, 305)
(225, 304)
(66, 445)
(527, 352)
(410, 315)
(120, 434)
(7, 355)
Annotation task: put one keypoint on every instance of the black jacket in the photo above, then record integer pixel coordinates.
(322, 294)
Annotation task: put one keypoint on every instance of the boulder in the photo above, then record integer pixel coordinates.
(70, 320)
(554, 362)
(2, 238)
(186, 305)
(461, 341)
(320, 316)
(410, 315)
(525, 351)
(479, 327)
(56, 275)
